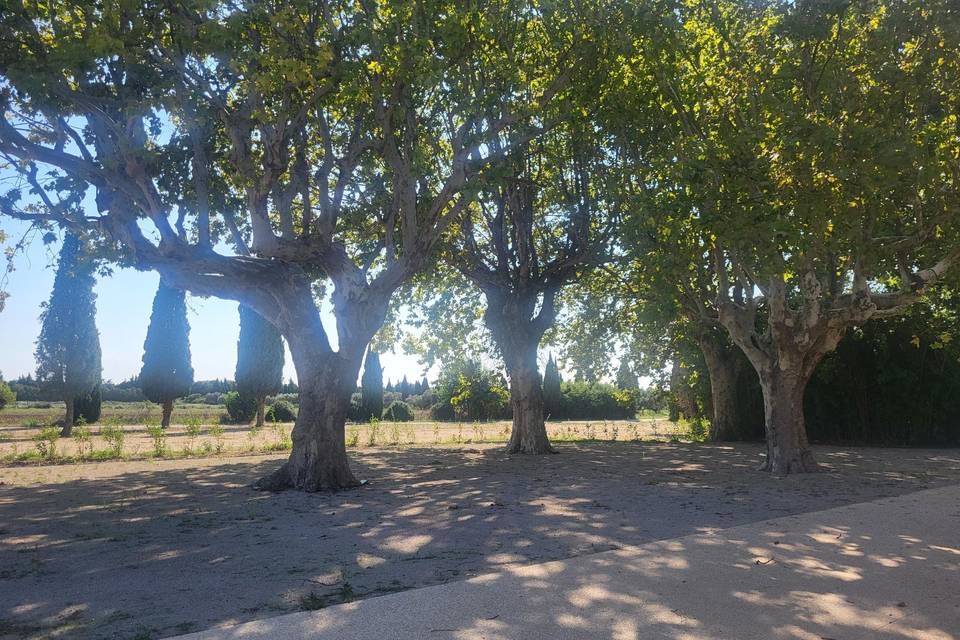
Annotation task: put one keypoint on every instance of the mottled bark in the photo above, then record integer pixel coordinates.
(318, 460)
(723, 367)
(787, 448)
(529, 432)
(685, 405)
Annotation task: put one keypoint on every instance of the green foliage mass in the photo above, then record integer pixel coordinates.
(465, 390)
(7, 396)
(371, 387)
(398, 411)
(88, 406)
(241, 408)
(592, 401)
(167, 373)
(551, 389)
(68, 349)
(259, 371)
(281, 411)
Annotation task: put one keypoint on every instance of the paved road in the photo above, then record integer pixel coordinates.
(882, 570)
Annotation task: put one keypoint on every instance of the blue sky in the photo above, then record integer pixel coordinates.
(123, 312)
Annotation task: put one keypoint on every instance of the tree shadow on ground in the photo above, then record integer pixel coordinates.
(160, 548)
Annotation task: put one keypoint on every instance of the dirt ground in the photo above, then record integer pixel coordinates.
(150, 549)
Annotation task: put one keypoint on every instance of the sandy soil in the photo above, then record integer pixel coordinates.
(152, 549)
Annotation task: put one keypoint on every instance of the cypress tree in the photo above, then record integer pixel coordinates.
(166, 373)
(371, 387)
(551, 388)
(68, 349)
(625, 376)
(259, 359)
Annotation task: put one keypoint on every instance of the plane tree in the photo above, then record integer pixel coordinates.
(816, 145)
(541, 220)
(331, 142)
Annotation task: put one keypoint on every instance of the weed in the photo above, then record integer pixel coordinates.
(395, 433)
(82, 437)
(216, 432)
(374, 432)
(353, 436)
(312, 602)
(192, 430)
(436, 433)
(46, 442)
(283, 438)
(114, 436)
(159, 437)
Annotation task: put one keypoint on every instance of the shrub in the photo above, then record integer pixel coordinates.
(398, 411)
(213, 398)
(216, 431)
(242, 408)
(114, 437)
(586, 401)
(281, 411)
(88, 407)
(46, 442)
(7, 396)
(82, 438)
(471, 393)
(159, 437)
(373, 433)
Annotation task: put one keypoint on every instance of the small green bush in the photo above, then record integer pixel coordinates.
(242, 408)
(398, 411)
(281, 411)
(7, 396)
(88, 407)
(216, 432)
(82, 438)
(46, 442)
(114, 436)
(159, 437)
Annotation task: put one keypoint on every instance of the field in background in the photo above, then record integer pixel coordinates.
(131, 431)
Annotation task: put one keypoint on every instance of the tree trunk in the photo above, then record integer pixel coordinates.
(684, 403)
(787, 448)
(67, 418)
(167, 412)
(318, 460)
(529, 433)
(723, 369)
(261, 402)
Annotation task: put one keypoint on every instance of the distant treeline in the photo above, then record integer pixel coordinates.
(201, 391)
